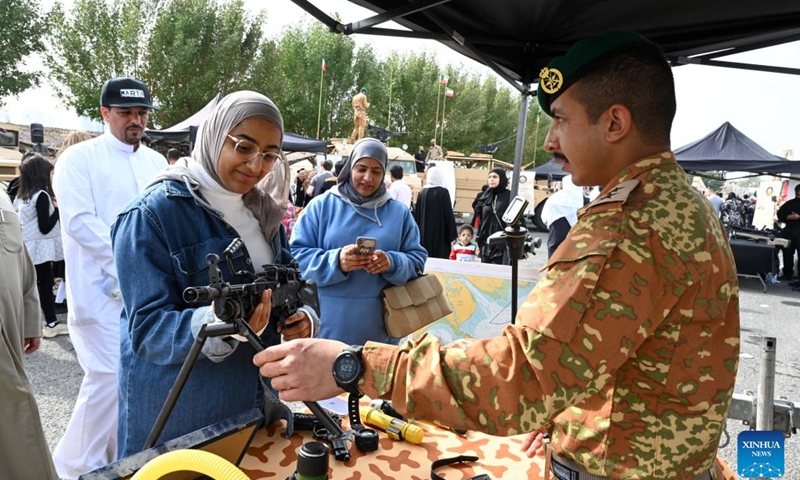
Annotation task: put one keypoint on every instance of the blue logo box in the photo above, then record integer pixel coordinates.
(760, 454)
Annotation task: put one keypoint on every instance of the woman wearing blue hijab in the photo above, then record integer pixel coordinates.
(324, 243)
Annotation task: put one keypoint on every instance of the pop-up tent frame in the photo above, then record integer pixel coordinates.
(181, 132)
(516, 38)
(727, 149)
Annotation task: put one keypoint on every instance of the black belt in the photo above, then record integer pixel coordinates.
(565, 469)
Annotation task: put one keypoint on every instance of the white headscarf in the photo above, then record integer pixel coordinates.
(564, 203)
(267, 199)
(434, 177)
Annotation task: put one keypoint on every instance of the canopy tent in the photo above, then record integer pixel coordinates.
(180, 132)
(516, 38)
(550, 169)
(728, 149)
(299, 143)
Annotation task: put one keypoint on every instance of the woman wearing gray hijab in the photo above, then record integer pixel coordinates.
(324, 243)
(235, 185)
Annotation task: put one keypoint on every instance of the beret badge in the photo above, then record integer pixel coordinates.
(551, 80)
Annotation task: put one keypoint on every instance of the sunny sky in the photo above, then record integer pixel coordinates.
(764, 106)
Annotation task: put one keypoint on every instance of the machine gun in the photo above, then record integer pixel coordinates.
(491, 148)
(382, 134)
(289, 290)
(233, 304)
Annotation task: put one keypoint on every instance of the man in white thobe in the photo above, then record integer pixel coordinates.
(94, 181)
(399, 190)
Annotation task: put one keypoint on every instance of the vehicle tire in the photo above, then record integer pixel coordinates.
(537, 217)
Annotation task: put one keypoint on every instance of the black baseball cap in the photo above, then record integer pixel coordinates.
(125, 92)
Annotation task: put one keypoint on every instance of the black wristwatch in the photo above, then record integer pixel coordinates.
(348, 368)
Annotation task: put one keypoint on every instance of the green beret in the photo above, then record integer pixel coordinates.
(582, 58)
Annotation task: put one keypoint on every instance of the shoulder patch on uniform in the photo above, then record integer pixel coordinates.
(619, 193)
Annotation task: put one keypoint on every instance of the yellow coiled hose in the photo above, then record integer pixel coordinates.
(198, 461)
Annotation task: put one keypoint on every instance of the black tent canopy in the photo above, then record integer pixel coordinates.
(728, 149)
(550, 169)
(180, 132)
(299, 143)
(516, 38)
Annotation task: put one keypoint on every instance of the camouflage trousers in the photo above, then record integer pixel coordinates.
(360, 121)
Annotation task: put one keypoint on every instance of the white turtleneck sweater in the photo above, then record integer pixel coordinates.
(231, 206)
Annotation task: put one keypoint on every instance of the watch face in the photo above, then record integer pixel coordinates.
(348, 368)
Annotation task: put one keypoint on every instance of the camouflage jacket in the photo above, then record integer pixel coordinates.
(360, 102)
(435, 153)
(626, 350)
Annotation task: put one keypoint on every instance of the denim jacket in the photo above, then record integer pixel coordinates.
(160, 244)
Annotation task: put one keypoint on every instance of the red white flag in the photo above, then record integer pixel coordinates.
(324, 66)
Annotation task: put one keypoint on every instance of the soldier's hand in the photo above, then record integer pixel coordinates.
(301, 370)
(533, 443)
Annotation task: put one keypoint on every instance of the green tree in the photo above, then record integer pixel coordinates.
(94, 42)
(296, 90)
(536, 131)
(189, 50)
(268, 78)
(20, 36)
(184, 50)
(460, 115)
(413, 80)
(199, 48)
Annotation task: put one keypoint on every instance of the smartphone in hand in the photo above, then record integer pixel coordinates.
(366, 245)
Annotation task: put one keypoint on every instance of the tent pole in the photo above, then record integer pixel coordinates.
(521, 125)
(515, 234)
(436, 123)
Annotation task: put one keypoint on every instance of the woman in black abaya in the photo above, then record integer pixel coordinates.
(493, 203)
(434, 215)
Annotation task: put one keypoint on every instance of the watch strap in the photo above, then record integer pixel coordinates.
(352, 411)
(459, 459)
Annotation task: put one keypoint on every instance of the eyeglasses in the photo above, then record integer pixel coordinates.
(251, 151)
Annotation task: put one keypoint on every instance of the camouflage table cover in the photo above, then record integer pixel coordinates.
(272, 456)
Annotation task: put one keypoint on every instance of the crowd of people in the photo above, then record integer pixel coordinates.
(738, 213)
(602, 360)
(131, 329)
(603, 343)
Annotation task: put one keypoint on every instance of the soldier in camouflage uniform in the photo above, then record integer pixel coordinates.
(626, 351)
(360, 106)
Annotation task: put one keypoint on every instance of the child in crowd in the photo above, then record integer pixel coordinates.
(38, 211)
(464, 249)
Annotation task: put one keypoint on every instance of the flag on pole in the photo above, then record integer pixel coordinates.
(324, 66)
(444, 78)
(448, 92)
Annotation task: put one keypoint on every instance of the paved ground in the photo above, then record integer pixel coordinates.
(56, 375)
